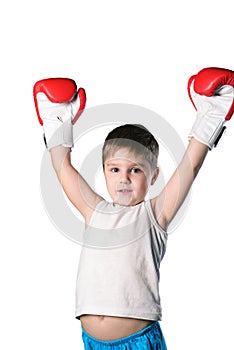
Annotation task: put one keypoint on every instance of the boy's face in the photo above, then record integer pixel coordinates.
(128, 177)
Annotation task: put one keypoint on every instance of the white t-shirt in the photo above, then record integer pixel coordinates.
(118, 272)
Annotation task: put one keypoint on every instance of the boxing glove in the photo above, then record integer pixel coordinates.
(58, 105)
(211, 91)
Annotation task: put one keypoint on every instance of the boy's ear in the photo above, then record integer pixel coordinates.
(155, 175)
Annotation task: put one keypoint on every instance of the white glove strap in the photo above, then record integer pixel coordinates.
(58, 133)
(211, 113)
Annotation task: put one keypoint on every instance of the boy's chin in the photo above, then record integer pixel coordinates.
(125, 201)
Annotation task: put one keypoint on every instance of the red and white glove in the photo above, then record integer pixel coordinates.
(58, 105)
(212, 93)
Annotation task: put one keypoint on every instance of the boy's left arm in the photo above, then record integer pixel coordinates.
(174, 193)
(212, 94)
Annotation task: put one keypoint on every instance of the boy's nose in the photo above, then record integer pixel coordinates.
(124, 180)
(124, 177)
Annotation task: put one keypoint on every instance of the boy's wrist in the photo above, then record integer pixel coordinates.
(60, 157)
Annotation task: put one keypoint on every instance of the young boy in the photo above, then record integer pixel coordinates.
(118, 301)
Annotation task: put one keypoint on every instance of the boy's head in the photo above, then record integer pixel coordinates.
(136, 138)
(129, 157)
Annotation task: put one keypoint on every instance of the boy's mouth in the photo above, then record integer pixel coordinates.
(124, 190)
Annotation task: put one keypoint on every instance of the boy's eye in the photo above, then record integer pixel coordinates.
(114, 170)
(135, 170)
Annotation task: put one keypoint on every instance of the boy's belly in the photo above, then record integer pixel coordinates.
(111, 328)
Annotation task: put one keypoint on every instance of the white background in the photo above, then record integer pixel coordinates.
(121, 51)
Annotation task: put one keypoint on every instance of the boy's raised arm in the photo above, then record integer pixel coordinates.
(168, 202)
(212, 94)
(58, 105)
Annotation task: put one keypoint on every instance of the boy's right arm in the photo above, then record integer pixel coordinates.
(58, 105)
(74, 185)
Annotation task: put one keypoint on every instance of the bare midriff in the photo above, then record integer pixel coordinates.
(110, 328)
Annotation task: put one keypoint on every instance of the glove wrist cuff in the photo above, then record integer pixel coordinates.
(57, 133)
(207, 130)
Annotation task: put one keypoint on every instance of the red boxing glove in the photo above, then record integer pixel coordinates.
(212, 94)
(58, 106)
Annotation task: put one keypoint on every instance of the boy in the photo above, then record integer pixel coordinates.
(118, 301)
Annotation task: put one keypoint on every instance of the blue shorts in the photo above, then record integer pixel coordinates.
(150, 338)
